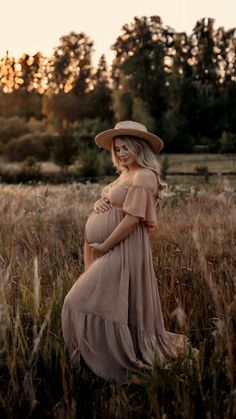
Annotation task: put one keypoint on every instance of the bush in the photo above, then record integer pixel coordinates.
(106, 167)
(165, 167)
(86, 130)
(88, 164)
(21, 104)
(60, 106)
(64, 149)
(12, 128)
(38, 145)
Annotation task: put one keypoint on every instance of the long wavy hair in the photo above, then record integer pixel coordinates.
(144, 156)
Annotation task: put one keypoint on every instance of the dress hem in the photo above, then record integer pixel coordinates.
(116, 348)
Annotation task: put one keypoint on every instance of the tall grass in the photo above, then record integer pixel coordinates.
(41, 240)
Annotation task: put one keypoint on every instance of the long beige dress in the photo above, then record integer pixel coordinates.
(112, 315)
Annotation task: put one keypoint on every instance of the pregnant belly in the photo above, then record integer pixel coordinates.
(100, 225)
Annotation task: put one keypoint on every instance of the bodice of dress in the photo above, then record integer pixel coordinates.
(134, 200)
(116, 194)
(125, 199)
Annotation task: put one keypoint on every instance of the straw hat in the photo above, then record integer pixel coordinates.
(135, 129)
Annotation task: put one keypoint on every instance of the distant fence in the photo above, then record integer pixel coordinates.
(206, 174)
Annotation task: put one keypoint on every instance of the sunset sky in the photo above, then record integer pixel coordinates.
(28, 26)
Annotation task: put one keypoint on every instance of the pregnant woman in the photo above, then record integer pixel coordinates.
(112, 315)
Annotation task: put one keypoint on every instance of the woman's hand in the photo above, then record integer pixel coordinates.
(99, 249)
(102, 205)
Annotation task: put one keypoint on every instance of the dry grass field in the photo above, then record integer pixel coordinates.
(41, 239)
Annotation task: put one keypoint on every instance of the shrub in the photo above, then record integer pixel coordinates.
(86, 130)
(106, 167)
(165, 167)
(60, 106)
(64, 149)
(12, 128)
(38, 145)
(88, 164)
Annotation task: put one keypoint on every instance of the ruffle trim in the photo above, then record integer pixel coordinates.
(139, 201)
(109, 349)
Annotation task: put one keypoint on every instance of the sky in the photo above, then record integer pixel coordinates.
(30, 26)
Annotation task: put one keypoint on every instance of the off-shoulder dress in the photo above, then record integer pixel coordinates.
(112, 315)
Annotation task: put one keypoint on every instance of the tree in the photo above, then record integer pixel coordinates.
(69, 68)
(61, 106)
(195, 91)
(99, 103)
(32, 77)
(11, 128)
(226, 54)
(8, 74)
(139, 69)
(65, 149)
(204, 57)
(230, 105)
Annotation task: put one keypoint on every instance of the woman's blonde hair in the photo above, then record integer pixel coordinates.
(144, 156)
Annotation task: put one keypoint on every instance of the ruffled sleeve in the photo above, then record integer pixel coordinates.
(140, 202)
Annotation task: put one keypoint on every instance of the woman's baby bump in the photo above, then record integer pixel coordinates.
(100, 225)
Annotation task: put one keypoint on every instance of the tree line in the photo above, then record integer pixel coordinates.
(182, 87)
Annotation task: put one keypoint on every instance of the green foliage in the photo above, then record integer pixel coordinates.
(21, 104)
(30, 171)
(61, 106)
(31, 73)
(97, 102)
(230, 106)
(88, 164)
(178, 77)
(122, 105)
(106, 167)
(64, 149)
(141, 113)
(175, 136)
(86, 130)
(13, 127)
(37, 145)
(165, 167)
(71, 64)
(139, 66)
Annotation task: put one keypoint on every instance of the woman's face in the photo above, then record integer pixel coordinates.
(125, 156)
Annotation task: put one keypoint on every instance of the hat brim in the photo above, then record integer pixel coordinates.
(105, 138)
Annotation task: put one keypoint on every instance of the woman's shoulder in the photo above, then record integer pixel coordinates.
(145, 178)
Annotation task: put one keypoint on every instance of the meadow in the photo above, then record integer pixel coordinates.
(41, 256)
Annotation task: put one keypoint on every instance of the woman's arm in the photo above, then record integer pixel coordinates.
(88, 255)
(124, 228)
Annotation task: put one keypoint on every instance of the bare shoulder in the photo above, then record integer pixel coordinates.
(145, 178)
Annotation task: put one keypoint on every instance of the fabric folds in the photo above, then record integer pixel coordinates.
(140, 202)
